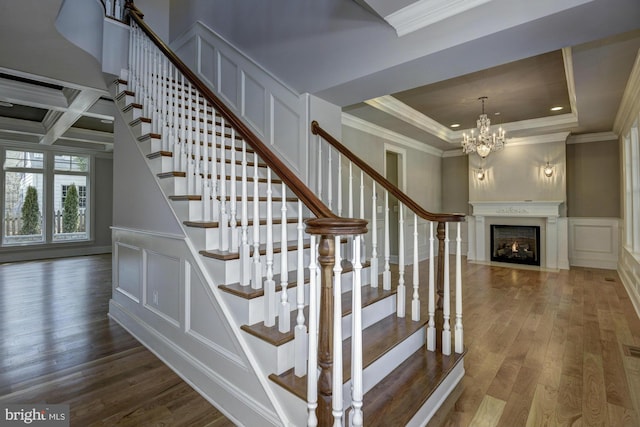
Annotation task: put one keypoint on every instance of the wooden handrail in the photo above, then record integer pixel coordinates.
(381, 180)
(315, 205)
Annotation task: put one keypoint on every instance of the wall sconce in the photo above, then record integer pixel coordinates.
(480, 174)
(548, 170)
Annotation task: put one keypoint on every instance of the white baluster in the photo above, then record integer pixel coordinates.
(415, 302)
(350, 198)
(386, 274)
(183, 131)
(256, 271)
(176, 147)
(300, 331)
(320, 167)
(118, 10)
(284, 319)
(206, 196)
(329, 179)
(108, 7)
(356, 337)
(339, 185)
(245, 260)
(189, 142)
(312, 365)
(401, 291)
(233, 218)
(269, 283)
(446, 308)
(197, 151)
(164, 108)
(431, 328)
(363, 251)
(458, 328)
(374, 236)
(215, 192)
(337, 337)
(222, 185)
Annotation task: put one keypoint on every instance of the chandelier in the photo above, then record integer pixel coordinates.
(485, 142)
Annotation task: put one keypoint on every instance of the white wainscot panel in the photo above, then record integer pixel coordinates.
(207, 62)
(593, 242)
(162, 294)
(128, 261)
(187, 52)
(228, 80)
(206, 323)
(254, 103)
(285, 137)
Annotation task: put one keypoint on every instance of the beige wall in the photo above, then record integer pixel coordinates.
(516, 173)
(455, 184)
(423, 170)
(593, 179)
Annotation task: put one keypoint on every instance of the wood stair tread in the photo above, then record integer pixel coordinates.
(165, 153)
(216, 224)
(418, 376)
(274, 181)
(272, 335)
(277, 248)
(377, 340)
(196, 197)
(247, 292)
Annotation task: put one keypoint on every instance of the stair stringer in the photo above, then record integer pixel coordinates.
(215, 360)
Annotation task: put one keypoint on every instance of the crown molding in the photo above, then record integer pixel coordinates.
(538, 139)
(567, 57)
(373, 129)
(426, 12)
(630, 105)
(592, 137)
(453, 153)
(402, 111)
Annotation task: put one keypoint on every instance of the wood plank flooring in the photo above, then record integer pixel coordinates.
(57, 345)
(543, 348)
(547, 349)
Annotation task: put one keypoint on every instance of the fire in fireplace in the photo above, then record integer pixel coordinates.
(518, 244)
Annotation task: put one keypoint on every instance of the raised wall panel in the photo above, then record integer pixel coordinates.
(207, 69)
(254, 103)
(188, 53)
(128, 260)
(206, 325)
(162, 290)
(284, 133)
(228, 80)
(593, 242)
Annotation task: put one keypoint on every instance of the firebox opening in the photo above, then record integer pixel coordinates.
(518, 244)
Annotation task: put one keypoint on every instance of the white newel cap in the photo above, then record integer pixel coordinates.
(522, 208)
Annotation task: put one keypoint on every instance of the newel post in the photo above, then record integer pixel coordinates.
(328, 229)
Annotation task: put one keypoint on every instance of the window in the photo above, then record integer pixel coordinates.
(71, 174)
(46, 197)
(23, 197)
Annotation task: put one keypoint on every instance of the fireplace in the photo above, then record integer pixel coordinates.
(518, 244)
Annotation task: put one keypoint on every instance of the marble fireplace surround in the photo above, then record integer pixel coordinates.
(546, 213)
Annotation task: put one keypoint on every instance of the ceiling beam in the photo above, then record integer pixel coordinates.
(31, 95)
(80, 102)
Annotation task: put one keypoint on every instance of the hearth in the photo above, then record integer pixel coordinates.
(518, 244)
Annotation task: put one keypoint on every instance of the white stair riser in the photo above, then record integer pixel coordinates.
(209, 238)
(164, 164)
(192, 210)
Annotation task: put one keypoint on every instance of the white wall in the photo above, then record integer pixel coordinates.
(276, 114)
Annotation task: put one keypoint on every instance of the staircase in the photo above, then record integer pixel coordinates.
(300, 282)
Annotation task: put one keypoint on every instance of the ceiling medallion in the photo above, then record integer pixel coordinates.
(485, 142)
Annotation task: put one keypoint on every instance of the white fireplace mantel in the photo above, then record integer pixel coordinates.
(555, 228)
(526, 208)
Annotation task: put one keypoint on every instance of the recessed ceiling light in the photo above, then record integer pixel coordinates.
(455, 125)
(558, 108)
(6, 104)
(497, 113)
(106, 121)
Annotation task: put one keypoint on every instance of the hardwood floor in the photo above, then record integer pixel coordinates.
(548, 349)
(57, 345)
(543, 348)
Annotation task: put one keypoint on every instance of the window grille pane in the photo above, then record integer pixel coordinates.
(23, 159)
(70, 215)
(71, 163)
(22, 216)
